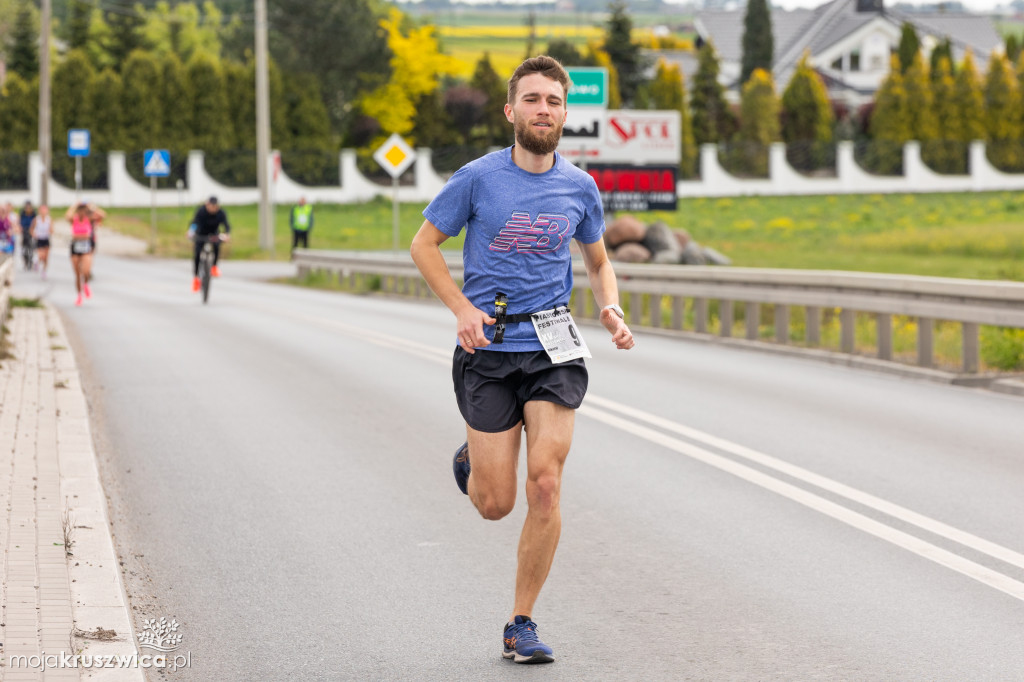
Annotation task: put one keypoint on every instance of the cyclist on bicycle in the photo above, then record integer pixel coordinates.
(206, 224)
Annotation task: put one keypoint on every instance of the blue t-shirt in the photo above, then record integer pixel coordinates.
(518, 229)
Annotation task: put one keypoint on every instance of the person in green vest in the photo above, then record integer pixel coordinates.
(301, 221)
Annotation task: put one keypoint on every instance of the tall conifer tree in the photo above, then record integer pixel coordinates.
(890, 124)
(758, 43)
(948, 154)
(486, 80)
(970, 102)
(1002, 115)
(24, 54)
(623, 52)
(759, 121)
(920, 102)
(712, 120)
(806, 118)
(668, 91)
(142, 103)
(910, 45)
(19, 113)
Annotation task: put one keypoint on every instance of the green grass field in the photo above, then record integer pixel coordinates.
(970, 235)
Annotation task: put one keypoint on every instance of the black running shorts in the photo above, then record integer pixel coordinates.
(491, 387)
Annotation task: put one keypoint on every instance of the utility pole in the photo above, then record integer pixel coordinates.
(266, 219)
(45, 143)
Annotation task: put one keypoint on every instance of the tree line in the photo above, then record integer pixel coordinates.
(944, 106)
(182, 77)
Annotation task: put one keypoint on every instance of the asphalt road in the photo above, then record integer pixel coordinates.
(278, 466)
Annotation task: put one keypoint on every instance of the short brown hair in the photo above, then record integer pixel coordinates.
(542, 64)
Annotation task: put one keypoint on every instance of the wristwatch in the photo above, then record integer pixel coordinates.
(614, 307)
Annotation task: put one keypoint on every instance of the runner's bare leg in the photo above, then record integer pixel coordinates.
(549, 430)
(493, 461)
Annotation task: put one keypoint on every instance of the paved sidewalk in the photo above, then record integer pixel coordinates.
(50, 491)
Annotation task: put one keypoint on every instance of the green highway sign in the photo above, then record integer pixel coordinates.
(589, 87)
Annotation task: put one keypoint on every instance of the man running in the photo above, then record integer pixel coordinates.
(206, 223)
(522, 367)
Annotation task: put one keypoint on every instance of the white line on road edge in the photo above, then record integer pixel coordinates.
(906, 541)
(943, 557)
(903, 514)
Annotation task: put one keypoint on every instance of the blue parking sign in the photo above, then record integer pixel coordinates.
(78, 142)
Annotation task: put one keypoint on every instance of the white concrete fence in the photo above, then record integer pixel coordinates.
(659, 296)
(715, 181)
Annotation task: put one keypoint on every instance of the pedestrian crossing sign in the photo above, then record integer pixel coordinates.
(395, 155)
(156, 163)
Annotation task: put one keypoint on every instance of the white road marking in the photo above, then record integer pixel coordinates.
(925, 523)
(982, 574)
(971, 569)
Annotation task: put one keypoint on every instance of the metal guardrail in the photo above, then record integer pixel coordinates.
(656, 296)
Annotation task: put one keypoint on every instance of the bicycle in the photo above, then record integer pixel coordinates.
(206, 262)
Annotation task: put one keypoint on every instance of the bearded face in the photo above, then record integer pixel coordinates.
(538, 137)
(538, 114)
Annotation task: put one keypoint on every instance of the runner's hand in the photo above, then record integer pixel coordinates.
(470, 327)
(225, 237)
(616, 326)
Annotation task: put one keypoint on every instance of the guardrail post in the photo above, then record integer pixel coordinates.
(847, 330)
(781, 323)
(678, 312)
(813, 324)
(925, 341)
(700, 315)
(655, 310)
(972, 347)
(636, 308)
(752, 318)
(725, 318)
(884, 324)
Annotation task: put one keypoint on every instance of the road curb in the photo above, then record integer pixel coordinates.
(55, 605)
(97, 592)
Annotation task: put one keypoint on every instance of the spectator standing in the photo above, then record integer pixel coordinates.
(301, 222)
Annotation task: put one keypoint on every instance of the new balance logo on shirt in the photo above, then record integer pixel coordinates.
(526, 235)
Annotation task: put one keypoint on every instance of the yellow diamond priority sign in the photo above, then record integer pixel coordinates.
(394, 156)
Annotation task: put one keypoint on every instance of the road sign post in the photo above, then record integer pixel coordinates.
(78, 147)
(156, 163)
(394, 156)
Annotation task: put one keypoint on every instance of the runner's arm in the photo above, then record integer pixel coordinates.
(469, 320)
(606, 292)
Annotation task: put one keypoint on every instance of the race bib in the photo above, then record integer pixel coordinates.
(561, 338)
(81, 246)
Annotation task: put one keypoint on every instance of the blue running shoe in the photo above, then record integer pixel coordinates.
(522, 643)
(460, 465)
